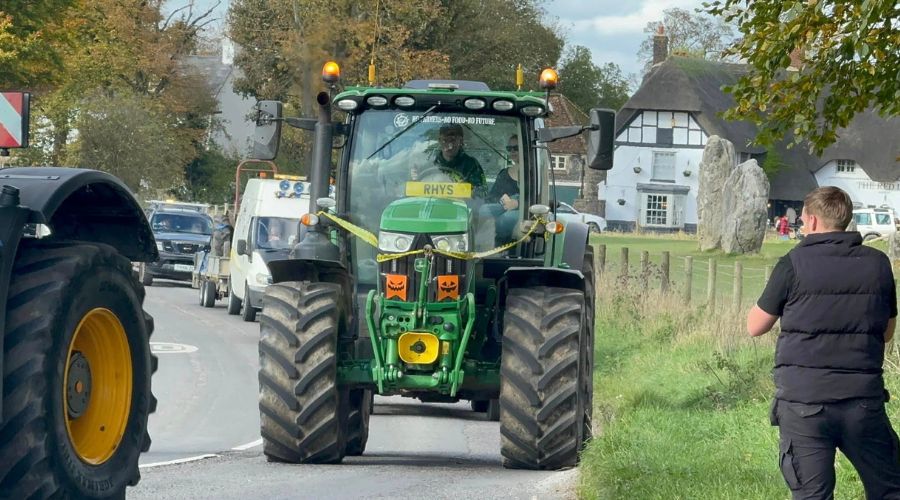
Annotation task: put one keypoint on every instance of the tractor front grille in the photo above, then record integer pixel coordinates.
(445, 273)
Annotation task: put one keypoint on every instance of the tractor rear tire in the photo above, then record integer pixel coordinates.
(541, 401)
(360, 407)
(77, 368)
(587, 348)
(300, 403)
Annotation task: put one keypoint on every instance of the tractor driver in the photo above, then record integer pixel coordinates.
(452, 160)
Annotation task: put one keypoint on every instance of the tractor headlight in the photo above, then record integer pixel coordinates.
(451, 242)
(394, 242)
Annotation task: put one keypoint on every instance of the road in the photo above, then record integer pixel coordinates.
(206, 440)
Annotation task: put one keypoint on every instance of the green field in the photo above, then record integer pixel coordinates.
(682, 393)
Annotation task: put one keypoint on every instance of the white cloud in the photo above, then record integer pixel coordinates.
(631, 22)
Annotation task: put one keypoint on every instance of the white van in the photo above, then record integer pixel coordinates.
(266, 229)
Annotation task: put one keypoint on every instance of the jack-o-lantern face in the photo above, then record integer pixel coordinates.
(447, 286)
(395, 286)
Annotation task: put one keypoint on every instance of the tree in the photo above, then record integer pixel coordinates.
(486, 39)
(591, 86)
(850, 60)
(28, 55)
(126, 135)
(690, 34)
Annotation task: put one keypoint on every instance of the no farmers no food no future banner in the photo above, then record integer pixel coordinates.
(14, 119)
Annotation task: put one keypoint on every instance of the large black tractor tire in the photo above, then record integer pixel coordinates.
(302, 410)
(144, 275)
(360, 407)
(541, 402)
(234, 303)
(587, 348)
(248, 312)
(76, 338)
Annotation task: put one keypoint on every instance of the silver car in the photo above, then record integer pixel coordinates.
(566, 213)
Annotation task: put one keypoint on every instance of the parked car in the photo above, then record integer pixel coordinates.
(179, 234)
(566, 212)
(874, 222)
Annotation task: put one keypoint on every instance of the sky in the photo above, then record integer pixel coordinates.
(611, 29)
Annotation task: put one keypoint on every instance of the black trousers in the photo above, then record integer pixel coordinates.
(860, 428)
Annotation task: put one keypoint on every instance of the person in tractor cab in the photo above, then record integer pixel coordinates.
(502, 201)
(453, 161)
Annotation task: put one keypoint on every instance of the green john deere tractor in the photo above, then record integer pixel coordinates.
(437, 271)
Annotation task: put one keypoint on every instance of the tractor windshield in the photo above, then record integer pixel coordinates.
(475, 156)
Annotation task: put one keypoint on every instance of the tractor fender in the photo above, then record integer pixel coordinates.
(306, 270)
(76, 204)
(575, 240)
(524, 277)
(87, 205)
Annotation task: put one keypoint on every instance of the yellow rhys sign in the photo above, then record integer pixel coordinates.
(439, 189)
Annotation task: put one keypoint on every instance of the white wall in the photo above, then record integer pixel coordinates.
(621, 181)
(860, 187)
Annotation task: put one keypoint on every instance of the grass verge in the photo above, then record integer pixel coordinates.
(681, 404)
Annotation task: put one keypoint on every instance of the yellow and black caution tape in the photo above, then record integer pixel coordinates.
(372, 240)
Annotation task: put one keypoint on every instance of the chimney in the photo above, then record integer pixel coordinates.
(660, 45)
(796, 59)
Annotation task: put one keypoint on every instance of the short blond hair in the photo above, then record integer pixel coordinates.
(832, 205)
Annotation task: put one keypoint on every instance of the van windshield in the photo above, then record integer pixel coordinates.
(275, 233)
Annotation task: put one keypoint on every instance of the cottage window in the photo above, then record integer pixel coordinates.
(664, 127)
(846, 166)
(663, 166)
(559, 162)
(656, 210)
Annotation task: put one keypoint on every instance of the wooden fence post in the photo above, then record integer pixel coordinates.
(623, 262)
(601, 257)
(737, 290)
(645, 268)
(664, 267)
(688, 278)
(711, 284)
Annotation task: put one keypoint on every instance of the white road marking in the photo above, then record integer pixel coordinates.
(171, 348)
(179, 461)
(247, 446)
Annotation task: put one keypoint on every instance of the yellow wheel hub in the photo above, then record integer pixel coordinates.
(97, 386)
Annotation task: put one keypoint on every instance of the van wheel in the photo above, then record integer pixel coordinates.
(234, 304)
(248, 312)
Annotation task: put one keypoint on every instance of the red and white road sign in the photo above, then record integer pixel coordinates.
(14, 119)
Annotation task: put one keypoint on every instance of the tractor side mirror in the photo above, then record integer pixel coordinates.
(600, 139)
(241, 247)
(267, 135)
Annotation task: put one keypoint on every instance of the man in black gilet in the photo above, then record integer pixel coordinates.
(838, 305)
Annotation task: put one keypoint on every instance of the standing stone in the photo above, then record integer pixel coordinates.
(716, 165)
(894, 247)
(745, 212)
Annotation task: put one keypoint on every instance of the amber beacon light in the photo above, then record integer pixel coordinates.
(549, 79)
(331, 72)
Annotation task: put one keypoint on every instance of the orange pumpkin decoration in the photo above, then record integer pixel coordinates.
(448, 286)
(395, 286)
